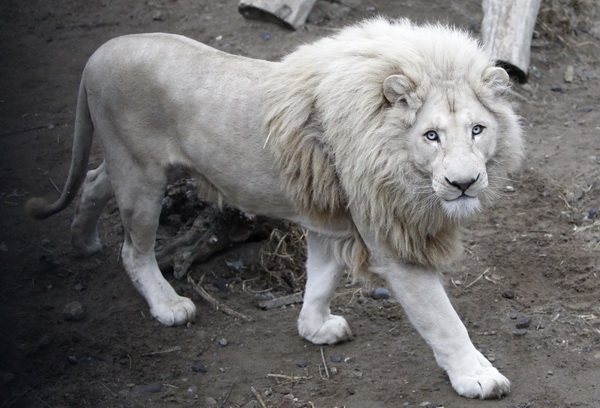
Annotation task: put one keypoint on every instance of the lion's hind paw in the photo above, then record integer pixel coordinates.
(175, 313)
(486, 384)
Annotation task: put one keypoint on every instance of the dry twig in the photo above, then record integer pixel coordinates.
(324, 363)
(258, 397)
(216, 304)
(154, 353)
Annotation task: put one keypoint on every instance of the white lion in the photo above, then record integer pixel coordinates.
(378, 140)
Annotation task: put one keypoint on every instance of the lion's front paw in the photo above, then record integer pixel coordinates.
(331, 330)
(179, 311)
(480, 381)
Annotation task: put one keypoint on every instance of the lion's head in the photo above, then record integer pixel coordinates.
(405, 128)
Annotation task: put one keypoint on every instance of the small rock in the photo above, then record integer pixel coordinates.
(265, 36)
(223, 341)
(210, 402)
(509, 189)
(520, 332)
(514, 316)
(523, 323)
(336, 358)
(569, 74)
(508, 294)
(591, 213)
(158, 16)
(147, 388)
(199, 368)
(302, 364)
(74, 311)
(587, 349)
(380, 294)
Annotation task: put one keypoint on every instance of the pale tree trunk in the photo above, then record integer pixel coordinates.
(288, 13)
(506, 30)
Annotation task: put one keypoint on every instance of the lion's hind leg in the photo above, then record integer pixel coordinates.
(96, 192)
(139, 194)
(316, 323)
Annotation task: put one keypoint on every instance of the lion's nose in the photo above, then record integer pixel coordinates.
(463, 186)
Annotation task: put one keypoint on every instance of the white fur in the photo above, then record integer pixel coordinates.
(346, 158)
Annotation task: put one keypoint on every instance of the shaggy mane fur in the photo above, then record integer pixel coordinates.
(339, 145)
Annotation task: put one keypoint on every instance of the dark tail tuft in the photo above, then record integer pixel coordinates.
(38, 208)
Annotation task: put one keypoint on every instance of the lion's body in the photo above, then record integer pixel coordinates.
(182, 121)
(332, 137)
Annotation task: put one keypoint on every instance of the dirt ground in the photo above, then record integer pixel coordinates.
(528, 287)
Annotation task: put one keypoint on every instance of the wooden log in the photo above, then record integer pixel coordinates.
(290, 14)
(506, 30)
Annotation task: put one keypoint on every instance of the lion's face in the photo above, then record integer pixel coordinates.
(453, 137)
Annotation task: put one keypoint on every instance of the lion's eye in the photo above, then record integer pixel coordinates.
(432, 136)
(477, 129)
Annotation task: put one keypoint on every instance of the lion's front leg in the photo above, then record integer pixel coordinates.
(316, 323)
(424, 299)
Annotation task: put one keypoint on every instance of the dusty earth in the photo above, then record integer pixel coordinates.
(533, 261)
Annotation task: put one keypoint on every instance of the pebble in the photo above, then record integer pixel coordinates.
(210, 402)
(523, 323)
(569, 74)
(223, 341)
(147, 388)
(380, 294)
(74, 311)
(336, 358)
(199, 368)
(508, 294)
(591, 213)
(520, 332)
(159, 16)
(265, 36)
(302, 364)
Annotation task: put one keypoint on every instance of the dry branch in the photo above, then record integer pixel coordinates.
(216, 304)
(212, 231)
(282, 301)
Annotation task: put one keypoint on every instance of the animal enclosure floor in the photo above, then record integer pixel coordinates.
(528, 288)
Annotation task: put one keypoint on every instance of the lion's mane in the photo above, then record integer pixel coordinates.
(339, 147)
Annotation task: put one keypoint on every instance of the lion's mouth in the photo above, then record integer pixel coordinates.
(461, 207)
(461, 197)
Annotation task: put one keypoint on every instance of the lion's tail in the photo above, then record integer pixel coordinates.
(39, 208)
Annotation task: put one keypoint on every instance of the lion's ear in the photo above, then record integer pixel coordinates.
(396, 89)
(497, 79)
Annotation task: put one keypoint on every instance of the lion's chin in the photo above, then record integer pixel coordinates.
(462, 207)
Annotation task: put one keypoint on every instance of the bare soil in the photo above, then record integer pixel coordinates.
(533, 260)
